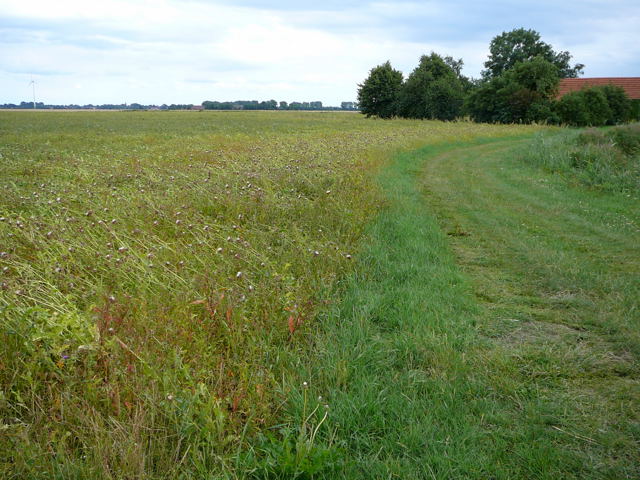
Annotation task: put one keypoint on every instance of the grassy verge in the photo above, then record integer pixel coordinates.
(606, 159)
(525, 365)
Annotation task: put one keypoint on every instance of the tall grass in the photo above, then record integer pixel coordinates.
(161, 273)
(607, 159)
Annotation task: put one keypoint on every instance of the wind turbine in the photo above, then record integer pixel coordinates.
(32, 83)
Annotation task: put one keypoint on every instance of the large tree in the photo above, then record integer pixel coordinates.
(523, 93)
(433, 90)
(521, 45)
(378, 94)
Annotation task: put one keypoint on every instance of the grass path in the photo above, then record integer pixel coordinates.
(491, 330)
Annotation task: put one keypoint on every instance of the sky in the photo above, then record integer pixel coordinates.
(177, 51)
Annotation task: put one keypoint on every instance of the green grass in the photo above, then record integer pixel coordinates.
(491, 330)
(162, 273)
(455, 311)
(603, 159)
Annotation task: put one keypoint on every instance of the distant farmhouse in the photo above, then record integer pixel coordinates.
(631, 85)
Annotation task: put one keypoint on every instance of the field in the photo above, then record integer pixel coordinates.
(284, 295)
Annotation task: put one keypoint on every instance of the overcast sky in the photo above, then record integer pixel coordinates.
(170, 51)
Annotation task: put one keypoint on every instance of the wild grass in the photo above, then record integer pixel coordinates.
(161, 276)
(605, 159)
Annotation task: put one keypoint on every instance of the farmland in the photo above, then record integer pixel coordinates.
(180, 288)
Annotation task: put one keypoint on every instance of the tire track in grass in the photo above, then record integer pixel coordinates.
(414, 389)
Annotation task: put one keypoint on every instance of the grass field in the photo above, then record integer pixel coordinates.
(282, 295)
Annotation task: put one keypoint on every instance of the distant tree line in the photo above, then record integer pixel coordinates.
(519, 85)
(274, 105)
(207, 105)
(105, 106)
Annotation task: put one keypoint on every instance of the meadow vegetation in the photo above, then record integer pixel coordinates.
(606, 159)
(162, 275)
(490, 330)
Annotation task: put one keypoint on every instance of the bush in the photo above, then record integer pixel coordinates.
(595, 106)
(619, 103)
(588, 107)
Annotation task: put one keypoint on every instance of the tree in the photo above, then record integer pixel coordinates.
(378, 94)
(522, 94)
(521, 45)
(433, 90)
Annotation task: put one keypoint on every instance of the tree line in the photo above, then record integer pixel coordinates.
(207, 105)
(519, 85)
(273, 105)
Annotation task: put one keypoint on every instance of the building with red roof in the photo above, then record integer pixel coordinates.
(631, 85)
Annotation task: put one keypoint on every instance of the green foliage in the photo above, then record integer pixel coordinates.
(619, 103)
(433, 90)
(590, 107)
(605, 159)
(522, 94)
(378, 94)
(520, 46)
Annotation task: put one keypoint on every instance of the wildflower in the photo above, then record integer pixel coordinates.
(219, 250)
(305, 384)
(239, 274)
(348, 256)
(112, 299)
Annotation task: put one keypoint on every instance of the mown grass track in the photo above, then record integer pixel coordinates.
(491, 330)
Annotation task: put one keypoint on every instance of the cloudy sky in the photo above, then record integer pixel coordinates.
(176, 51)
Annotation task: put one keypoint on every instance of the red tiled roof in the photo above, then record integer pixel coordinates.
(631, 85)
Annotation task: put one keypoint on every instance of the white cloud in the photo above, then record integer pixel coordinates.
(170, 51)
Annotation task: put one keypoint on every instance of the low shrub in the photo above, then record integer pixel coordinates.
(595, 106)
